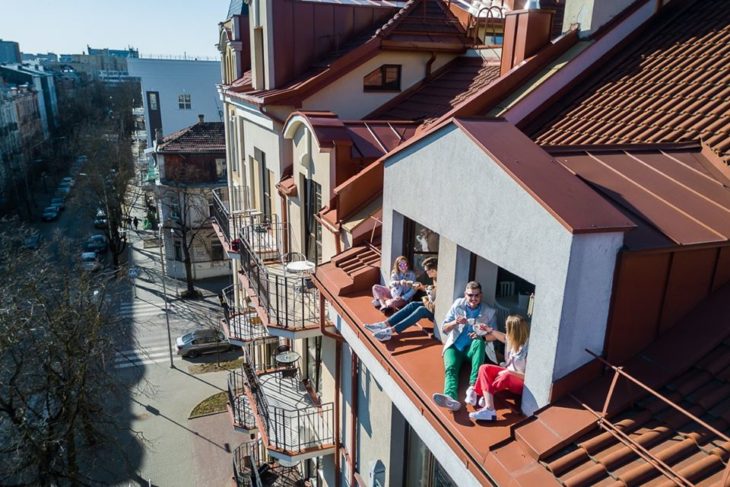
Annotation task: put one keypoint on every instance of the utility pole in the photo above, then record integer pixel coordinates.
(164, 295)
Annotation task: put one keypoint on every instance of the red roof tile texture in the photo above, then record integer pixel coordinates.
(692, 370)
(674, 194)
(201, 137)
(670, 84)
(448, 87)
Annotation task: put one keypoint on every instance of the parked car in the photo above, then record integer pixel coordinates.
(33, 241)
(59, 202)
(96, 243)
(198, 342)
(100, 222)
(62, 191)
(50, 213)
(68, 180)
(90, 261)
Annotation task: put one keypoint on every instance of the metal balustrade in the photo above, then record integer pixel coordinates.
(292, 426)
(246, 326)
(250, 471)
(289, 300)
(242, 412)
(221, 215)
(266, 236)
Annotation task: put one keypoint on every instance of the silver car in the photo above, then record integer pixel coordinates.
(198, 342)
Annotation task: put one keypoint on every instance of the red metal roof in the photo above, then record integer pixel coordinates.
(670, 84)
(674, 194)
(419, 25)
(452, 84)
(201, 137)
(567, 198)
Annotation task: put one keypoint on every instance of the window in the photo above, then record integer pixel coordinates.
(178, 251)
(183, 101)
(420, 243)
(216, 251)
(385, 78)
(421, 468)
(152, 100)
(312, 228)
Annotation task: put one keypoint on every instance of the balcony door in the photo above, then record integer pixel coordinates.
(264, 184)
(312, 227)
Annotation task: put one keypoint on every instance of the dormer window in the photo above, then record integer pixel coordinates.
(184, 101)
(384, 78)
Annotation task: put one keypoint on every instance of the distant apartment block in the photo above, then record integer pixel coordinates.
(43, 83)
(9, 52)
(175, 92)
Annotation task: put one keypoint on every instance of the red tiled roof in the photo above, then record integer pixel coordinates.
(451, 85)
(201, 137)
(690, 369)
(420, 24)
(671, 84)
(674, 194)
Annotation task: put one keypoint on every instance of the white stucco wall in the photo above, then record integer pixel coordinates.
(346, 96)
(173, 77)
(475, 204)
(591, 14)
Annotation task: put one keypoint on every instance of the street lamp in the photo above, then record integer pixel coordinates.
(164, 295)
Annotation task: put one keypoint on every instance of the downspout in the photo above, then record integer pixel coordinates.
(285, 222)
(353, 412)
(429, 63)
(338, 379)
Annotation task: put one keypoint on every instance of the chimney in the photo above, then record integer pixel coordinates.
(525, 33)
(201, 118)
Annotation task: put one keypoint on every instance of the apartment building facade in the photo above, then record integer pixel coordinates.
(328, 176)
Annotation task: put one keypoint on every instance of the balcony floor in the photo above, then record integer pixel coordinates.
(416, 359)
(296, 305)
(292, 395)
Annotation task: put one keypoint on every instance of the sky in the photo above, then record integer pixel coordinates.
(155, 27)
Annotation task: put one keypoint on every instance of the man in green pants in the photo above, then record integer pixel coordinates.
(462, 344)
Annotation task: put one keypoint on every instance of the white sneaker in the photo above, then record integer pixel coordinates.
(484, 414)
(383, 335)
(471, 396)
(444, 401)
(376, 326)
(482, 402)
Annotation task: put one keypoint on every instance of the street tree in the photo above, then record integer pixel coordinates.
(57, 336)
(186, 217)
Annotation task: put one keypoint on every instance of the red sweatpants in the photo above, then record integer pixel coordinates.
(487, 381)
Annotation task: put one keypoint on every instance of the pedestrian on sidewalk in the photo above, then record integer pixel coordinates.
(129, 222)
(136, 223)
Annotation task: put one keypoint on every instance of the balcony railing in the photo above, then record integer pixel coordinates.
(294, 424)
(246, 326)
(249, 471)
(290, 300)
(221, 213)
(242, 413)
(266, 237)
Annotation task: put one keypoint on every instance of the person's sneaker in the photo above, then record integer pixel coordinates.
(444, 401)
(384, 335)
(484, 414)
(471, 396)
(376, 326)
(482, 402)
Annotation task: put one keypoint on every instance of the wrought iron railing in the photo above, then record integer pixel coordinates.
(229, 297)
(245, 465)
(292, 430)
(242, 412)
(265, 235)
(246, 326)
(291, 301)
(221, 215)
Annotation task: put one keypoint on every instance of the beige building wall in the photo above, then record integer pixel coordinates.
(346, 96)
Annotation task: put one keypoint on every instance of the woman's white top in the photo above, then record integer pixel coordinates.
(515, 361)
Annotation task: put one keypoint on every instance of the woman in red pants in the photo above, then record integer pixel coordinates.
(507, 377)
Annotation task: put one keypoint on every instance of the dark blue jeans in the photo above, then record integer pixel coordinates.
(409, 316)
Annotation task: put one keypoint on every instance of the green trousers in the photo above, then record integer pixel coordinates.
(452, 366)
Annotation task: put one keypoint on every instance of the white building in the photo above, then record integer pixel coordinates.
(175, 92)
